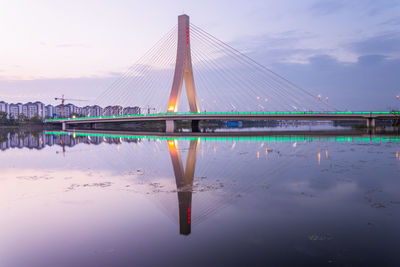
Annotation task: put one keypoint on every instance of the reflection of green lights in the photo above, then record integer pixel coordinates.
(281, 138)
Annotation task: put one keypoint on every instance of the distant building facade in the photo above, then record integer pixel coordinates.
(4, 107)
(42, 111)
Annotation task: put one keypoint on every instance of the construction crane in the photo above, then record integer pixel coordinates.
(63, 101)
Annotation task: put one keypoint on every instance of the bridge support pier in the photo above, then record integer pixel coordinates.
(195, 126)
(64, 126)
(371, 122)
(169, 126)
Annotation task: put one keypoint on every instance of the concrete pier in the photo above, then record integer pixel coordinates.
(371, 122)
(170, 126)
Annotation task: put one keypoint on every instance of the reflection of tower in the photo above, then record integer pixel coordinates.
(183, 69)
(184, 181)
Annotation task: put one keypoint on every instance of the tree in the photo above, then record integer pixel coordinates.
(22, 117)
(3, 117)
(36, 119)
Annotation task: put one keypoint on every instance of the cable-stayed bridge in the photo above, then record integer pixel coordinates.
(220, 83)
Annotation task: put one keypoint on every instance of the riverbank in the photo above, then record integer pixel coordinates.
(27, 127)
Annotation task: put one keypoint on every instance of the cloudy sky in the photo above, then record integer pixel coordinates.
(346, 50)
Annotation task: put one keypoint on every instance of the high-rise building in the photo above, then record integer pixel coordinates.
(15, 110)
(4, 107)
(131, 110)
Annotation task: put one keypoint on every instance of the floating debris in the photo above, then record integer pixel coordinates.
(378, 205)
(320, 237)
(135, 172)
(35, 177)
(371, 191)
(265, 186)
(306, 194)
(74, 186)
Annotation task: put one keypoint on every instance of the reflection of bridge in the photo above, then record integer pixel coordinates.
(40, 140)
(184, 176)
(274, 136)
(246, 86)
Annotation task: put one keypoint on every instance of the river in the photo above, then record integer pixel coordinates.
(104, 199)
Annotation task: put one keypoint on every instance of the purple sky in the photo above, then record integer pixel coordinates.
(347, 50)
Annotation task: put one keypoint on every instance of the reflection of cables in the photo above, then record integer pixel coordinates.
(217, 191)
(225, 175)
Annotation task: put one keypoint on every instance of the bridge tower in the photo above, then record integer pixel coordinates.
(183, 69)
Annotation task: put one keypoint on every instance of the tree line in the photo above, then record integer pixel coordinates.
(20, 119)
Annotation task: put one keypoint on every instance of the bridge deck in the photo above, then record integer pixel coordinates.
(312, 115)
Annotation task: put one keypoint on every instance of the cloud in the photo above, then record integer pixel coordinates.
(392, 22)
(322, 8)
(385, 43)
(371, 60)
(368, 7)
(370, 83)
(114, 74)
(374, 7)
(72, 45)
(282, 47)
(46, 89)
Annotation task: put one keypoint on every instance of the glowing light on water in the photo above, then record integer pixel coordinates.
(319, 158)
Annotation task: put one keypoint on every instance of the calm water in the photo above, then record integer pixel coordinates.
(78, 200)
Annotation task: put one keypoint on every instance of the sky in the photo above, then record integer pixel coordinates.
(346, 50)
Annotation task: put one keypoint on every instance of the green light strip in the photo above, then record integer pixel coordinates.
(292, 138)
(238, 113)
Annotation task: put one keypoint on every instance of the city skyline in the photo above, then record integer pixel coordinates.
(43, 111)
(348, 51)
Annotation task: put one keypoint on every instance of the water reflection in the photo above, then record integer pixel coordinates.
(38, 140)
(232, 195)
(184, 181)
(184, 177)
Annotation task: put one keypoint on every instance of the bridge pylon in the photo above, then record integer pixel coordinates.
(183, 69)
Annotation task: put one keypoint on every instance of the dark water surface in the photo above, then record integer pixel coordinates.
(101, 200)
